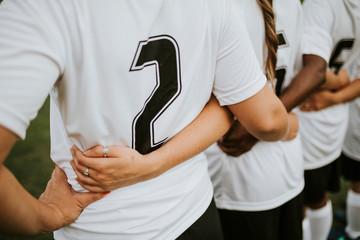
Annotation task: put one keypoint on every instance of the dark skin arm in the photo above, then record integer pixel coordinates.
(238, 141)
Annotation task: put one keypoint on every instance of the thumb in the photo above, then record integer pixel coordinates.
(87, 198)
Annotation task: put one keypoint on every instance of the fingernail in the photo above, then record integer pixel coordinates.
(107, 192)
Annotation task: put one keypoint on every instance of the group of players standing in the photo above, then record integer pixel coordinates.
(259, 192)
(273, 188)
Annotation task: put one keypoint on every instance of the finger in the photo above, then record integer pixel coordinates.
(77, 165)
(230, 144)
(94, 189)
(99, 151)
(229, 151)
(58, 175)
(82, 179)
(81, 169)
(86, 198)
(87, 162)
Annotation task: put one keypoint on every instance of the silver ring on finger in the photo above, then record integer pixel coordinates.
(86, 172)
(105, 151)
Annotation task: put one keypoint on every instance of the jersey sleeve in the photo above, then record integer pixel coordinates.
(318, 19)
(30, 62)
(238, 75)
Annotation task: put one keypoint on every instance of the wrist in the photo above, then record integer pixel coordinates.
(155, 163)
(336, 98)
(49, 219)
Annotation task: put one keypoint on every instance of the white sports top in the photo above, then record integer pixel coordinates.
(272, 172)
(351, 147)
(329, 32)
(130, 73)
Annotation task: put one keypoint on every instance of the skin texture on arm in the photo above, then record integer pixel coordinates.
(125, 166)
(238, 141)
(263, 114)
(307, 81)
(336, 81)
(325, 98)
(22, 214)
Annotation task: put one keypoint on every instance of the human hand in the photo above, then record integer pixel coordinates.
(293, 127)
(237, 140)
(61, 204)
(123, 166)
(336, 81)
(318, 101)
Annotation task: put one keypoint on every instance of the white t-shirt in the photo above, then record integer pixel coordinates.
(112, 65)
(329, 32)
(272, 172)
(351, 147)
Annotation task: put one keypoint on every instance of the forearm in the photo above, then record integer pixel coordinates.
(212, 123)
(20, 212)
(336, 81)
(347, 93)
(307, 81)
(263, 115)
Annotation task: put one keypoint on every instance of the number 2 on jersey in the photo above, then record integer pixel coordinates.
(161, 52)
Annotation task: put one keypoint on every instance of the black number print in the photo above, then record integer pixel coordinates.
(335, 63)
(280, 76)
(162, 53)
(280, 71)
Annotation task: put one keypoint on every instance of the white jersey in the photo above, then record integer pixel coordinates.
(351, 147)
(272, 172)
(130, 73)
(329, 32)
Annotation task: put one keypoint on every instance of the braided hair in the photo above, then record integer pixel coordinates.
(271, 39)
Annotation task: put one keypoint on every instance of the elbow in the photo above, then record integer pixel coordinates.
(317, 67)
(275, 128)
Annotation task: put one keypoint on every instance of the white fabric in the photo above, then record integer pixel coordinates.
(320, 221)
(353, 214)
(87, 50)
(272, 172)
(326, 24)
(306, 229)
(351, 147)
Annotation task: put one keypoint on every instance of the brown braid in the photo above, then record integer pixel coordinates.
(271, 39)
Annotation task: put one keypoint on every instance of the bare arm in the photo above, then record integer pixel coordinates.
(125, 166)
(238, 140)
(347, 93)
(263, 114)
(308, 80)
(336, 81)
(326, 98)
(22, 214)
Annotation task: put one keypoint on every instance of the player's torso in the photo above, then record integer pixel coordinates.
(323, 131)
(288, 29)
(344, 31)
(239, 182)
(143, 79)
